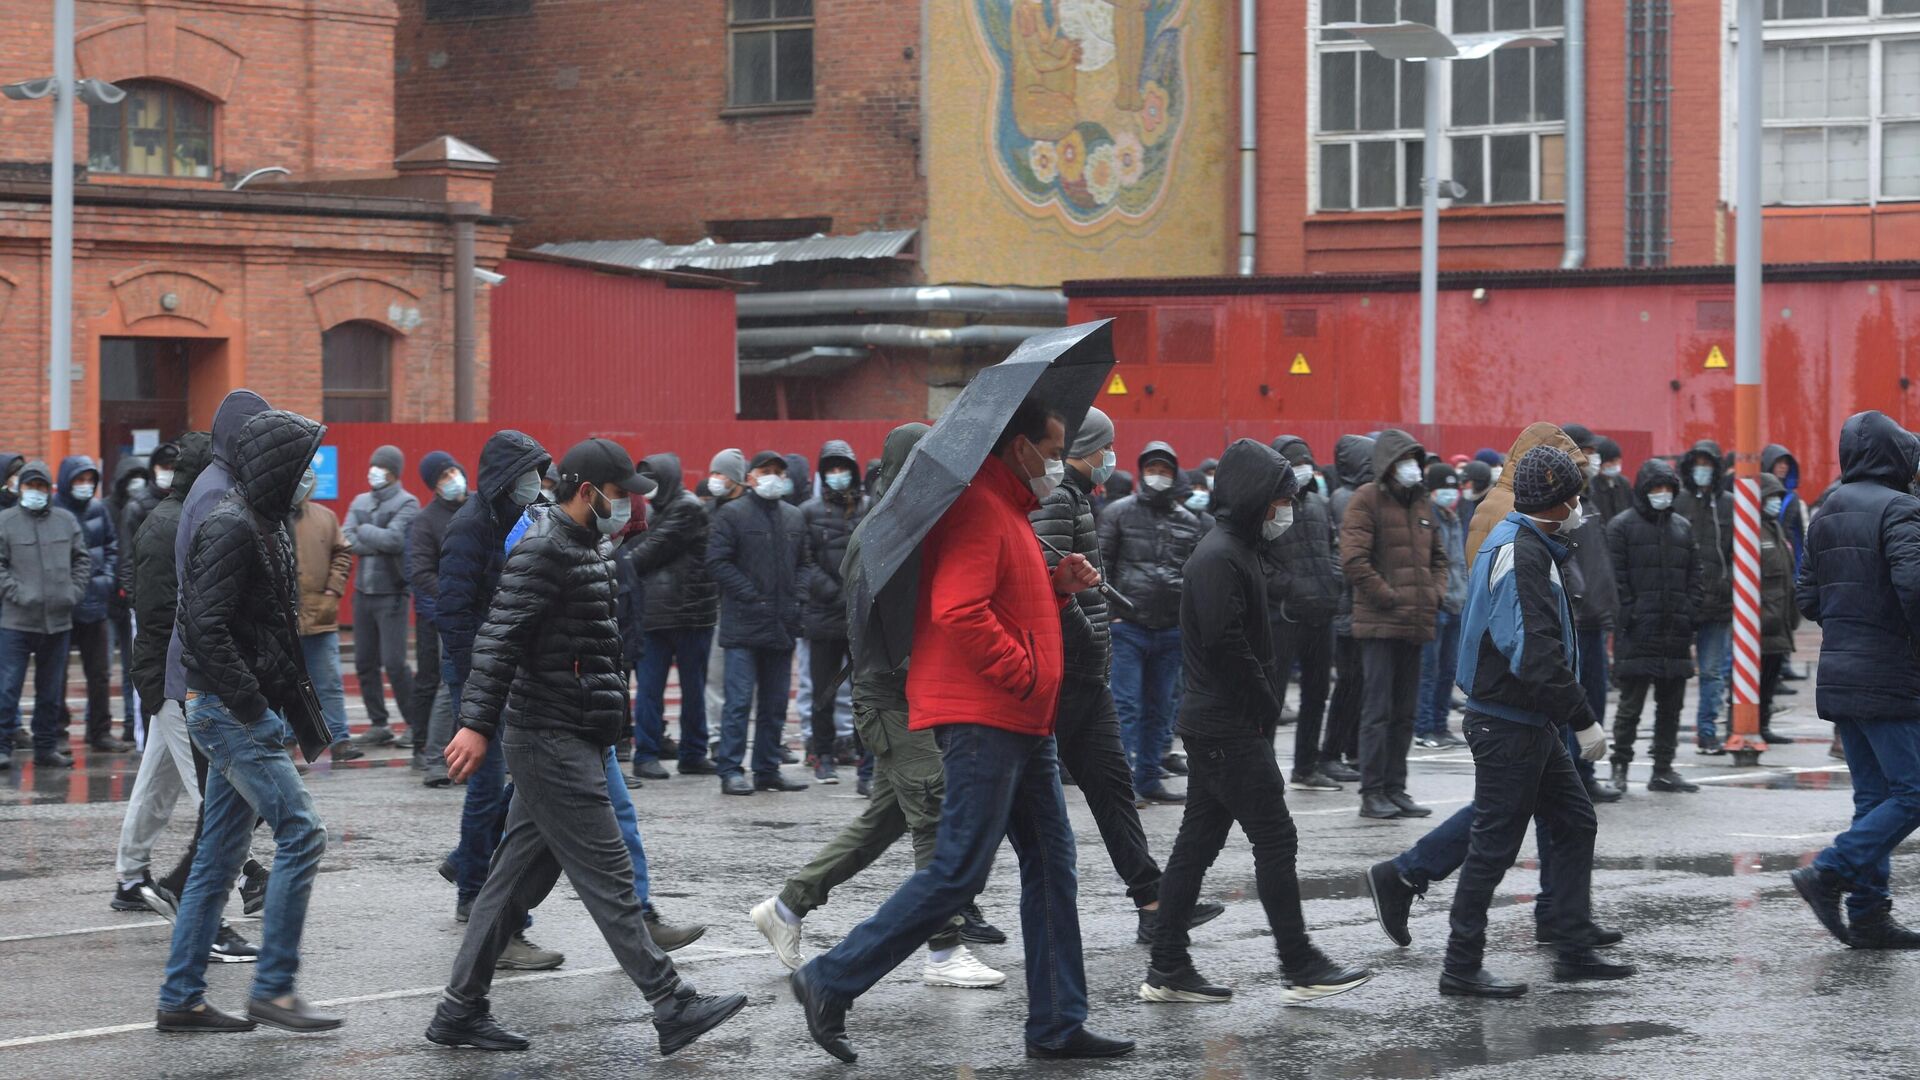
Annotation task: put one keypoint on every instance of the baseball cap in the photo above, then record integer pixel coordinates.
(603, 461)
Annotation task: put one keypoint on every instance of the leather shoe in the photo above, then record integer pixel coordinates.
(206, 1018)
(694, 1015)
(1157, 792)
(1582, 964)
(1774, 738)
(1597, 937)
(1479, 983)
(1082, 1044)
(1823, 890)
(778, 782)
(1601, 792)
(1337, 770)
(1880, 931)
(472, 1025)
(737, 784)
(826, 1020)
(651, 770)
(668, 936)
(1392, 901)
(298, 1016)
(53, 759)
(1408, 808)
(703, 767)
(1378, 806)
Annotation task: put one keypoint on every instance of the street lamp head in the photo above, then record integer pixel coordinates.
(31, 90)
(100, 92)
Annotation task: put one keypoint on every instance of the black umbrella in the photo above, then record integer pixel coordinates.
(1064, 368)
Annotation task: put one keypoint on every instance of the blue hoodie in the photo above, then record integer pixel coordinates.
(103, 544)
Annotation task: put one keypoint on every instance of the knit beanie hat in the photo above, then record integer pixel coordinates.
(1094, 432)
(391, 459)
(1545, 478)
(731, 464)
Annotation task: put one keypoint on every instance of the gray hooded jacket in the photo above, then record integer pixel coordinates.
(44, 568)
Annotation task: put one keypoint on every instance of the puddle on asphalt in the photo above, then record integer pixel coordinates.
(1838, 780)
(774, 824)
(1471, 1045)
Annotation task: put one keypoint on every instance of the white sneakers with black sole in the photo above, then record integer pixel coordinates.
(781, 934)
(1302, 993)
(962, 969)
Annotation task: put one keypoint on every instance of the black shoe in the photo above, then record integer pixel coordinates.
(863, 787)
(53, 759)
(1774, 738)
(1669, 781)
(778, 782)
(1378, 806)
(1184, 985)
(976, 930)
(230, 948)
(631, 781)
(1479, 983)
(1619, 777)
(668, 936)
(377, 735)
(1392, 901)
(1083, 1044)
(108, 745)
(436, 777)
(1175, 764)
(1823, 891)
(737, 784)
(206, 1018)
(1321, 979)
(344, 750)
(1710, 746)
(1601, 792)
(669, 747)
(693, 1016)
(253, 892)
(843, 752)
(788, 757)
(128, 898)
(826, 1020)
(1597, 937)
(298, 1016)
(449, 873)
(1204, 912)
(1313, 781)
(1880, 931)
(703, 767)
(651, 770)
(1158, 793)
(1408, 808)
(472, 1025)
(1583, 965)
(1339, 771)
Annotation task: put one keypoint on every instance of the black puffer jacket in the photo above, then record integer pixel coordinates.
(757, 554)
(240, 596)
(831, 518)
(670, 558)
(1860, 577)
(550, 647)
(422, 556)
(1656, 573)
(1709, 510)
(1610, 495)
(473, 549)
(1353, 469)
(152, 585)
(1303, 566)
(1778, 617)
(1145, 539)
(1590, 582)
(1065, 520)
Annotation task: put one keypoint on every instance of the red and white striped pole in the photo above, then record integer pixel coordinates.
(1746, 744)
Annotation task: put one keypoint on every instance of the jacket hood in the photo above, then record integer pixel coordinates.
(801, 474)
(276, 448)
(434, 464)
(34, 469)
(508, 456)
(74, 466)
(8, 463)
(1770, 486)
(235, 410)
(1250, 476)
(1874, 448)
(893, 454)
(1653, 473)
(1294, 449)
(1540, 434)
(1772, 455)
(1353, 459)
(131, 465)
(196, 453)
(837, 450)
(1392, 445)
(665, 470)
(1158, 449)
(1705, 448)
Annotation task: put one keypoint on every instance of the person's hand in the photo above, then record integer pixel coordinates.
(1593, 742)
(464, 753)
(1074, 575)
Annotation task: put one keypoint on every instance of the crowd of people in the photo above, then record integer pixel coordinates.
(1072, 619)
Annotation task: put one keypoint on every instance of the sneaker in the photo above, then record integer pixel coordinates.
(976, 930)
(53, 759)
(781, 934)
(1670, 781)
(472, 1025)
(379, 735)
(1433, 742)
(1823, 890)
(461, 910)
(1322, 979)
(253, 892)
(694, 1015)
(669, 936)
(436, 777)
(1339, 770)
(651, 770)
(1204, 911)
(128, 898)
(230, 948)
(1184, 985)
(1709, 745)
(523, 955)
(703, 767)
(623, 750)
(1158, 793)
(1392, 901)
(107, 744)
(823, 771)
(344, 751)
(962, 969)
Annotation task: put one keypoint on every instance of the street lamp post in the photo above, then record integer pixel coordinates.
(1749, 347)
(1426, 44)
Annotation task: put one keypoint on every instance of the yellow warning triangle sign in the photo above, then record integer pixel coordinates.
(1715, 358)
(1299, 365)
(1117, 386)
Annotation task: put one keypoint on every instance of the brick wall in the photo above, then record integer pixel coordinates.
(607, 117)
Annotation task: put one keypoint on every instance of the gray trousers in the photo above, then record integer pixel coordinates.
(166, 773)
(560, 819)
(439, 727)
(380, 641)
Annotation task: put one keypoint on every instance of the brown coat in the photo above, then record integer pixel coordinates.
(1394, 555)
(1499, 501)
(324, 559)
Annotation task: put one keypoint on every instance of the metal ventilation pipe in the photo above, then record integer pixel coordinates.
(970, 298)
(884, 334)
(1575, 255)
(1249, 140)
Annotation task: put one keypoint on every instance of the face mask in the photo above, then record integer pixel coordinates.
(1609, 470)
(620, 512)
(1156, 482)
(83, 492)
(13, 483)
(839, 480)
(1660, 500)
(1199, 500)
(377, 478)
(525, 490)
(1407, 473)
(545, 496)
(1446, 498)
(770, 486)
(305, 487)
(1303, 475)
(1590, 469)
(1053, 471)
(136, 485)
(1105, 469)
(1280, 522)
(33, 500)
(1571, 523)
(454, 488)
(1702, 475)
(786, 487)
(1473, 494)
(1771, 506)
(717, 486)
(1209, 479)
(163, 479)
(1496, 475)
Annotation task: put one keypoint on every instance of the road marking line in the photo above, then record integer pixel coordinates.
(1781, 836)
(1726, 778)
(1355, 810)
(142, 925)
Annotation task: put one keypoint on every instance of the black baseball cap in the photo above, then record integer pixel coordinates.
(603, 461)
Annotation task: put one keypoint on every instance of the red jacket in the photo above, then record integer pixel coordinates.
(986, 638)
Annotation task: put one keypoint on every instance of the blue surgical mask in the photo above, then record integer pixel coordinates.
(1702, 475)
(1446, 498)
(1199, 500)
(454, 488)
(526, 490)
(839, 480)
(1105, 469)
(1771, 506)
(82, 492)
(33, 499)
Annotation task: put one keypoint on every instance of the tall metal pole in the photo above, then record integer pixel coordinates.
(1249, 140)
(1429, 236)
(1748, 362)
(60, 314)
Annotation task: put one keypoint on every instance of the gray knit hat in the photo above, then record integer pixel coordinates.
(1095, 432)
(1545, 478)
(391, 459)
(730, 463)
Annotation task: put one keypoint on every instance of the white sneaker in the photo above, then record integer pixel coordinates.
(781, 934)
(962, 969)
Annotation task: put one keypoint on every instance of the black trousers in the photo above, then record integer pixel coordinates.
(1388, 703)
(1087, 739)
(1770, 672)
(1669, 695)
(1234, 781)
(825, 658)
(1520, 770)
(426, 679)
(94, 640)
(1310, 644)
(1343, 714)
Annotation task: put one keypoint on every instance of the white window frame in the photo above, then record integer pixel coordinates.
(1874, 30)
(1443, 168)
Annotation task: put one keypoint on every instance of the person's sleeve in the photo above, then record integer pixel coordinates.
(388, 539)
(123, 567)
(82, 565)
(423, 565)
(340, 562)
(1107, 532)
(722, 553)
(1900, 539)
(1696, 583)
(1535, 654)
(1220, 596)
(666, 538)
(210, 600)
(462, 557)
(105, 574)
(1806, 587)
(1442, 565)
(1617, 549)
(964, 572)
(1356, 554)
(529, 586)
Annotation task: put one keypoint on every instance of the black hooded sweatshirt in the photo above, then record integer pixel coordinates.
(1709, 510)
(1303, 577)
(10, 463)
(148, 575)
(474, 547)
(831, 517)
(671, 557)
(1656, 568)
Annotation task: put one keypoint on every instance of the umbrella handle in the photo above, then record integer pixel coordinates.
(1122, 607)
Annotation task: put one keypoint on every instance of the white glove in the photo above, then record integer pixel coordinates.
(1593, 742)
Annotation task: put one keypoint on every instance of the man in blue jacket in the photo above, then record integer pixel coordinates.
(78, 494)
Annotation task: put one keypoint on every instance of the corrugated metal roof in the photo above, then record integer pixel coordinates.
(711, 255)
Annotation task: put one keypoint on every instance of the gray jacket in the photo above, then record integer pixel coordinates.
(44, 568)
(1453, 532)
(376, 526)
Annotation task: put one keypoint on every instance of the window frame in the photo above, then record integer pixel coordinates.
(385, 394)
(1317, 140)
(171, 91)
(771, 26)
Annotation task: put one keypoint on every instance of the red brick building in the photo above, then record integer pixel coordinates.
(330, 289)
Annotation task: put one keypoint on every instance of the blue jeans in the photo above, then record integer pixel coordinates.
(999, 784)
(686, 649)
(48, 655)
(1146, 663)
(248, 773)
(1884, 757)
(1713, 645)
(323, 667)
(1438, 659)
(622, 800)
(754, 676)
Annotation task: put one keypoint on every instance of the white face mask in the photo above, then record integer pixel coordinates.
(1209, 479)
(1280, 522)
(1496, 475)
(1609, 470)
(454, 488)
(163, 479)
(305, 487)
(1108, 462)
(1303, 475)
(770, 486)
(621, 512)
(83, 492)
(1660, 500)
(1472, 494)
(1157, 482)
(839, 480)
(377, 478)
(1592, 470)
(33, 499)
(136, 485)
(526, 490)
(718, 486)
(1446, 498)
(1771, 506)
(1573, 520)
(1407, 473)
(1053, 472)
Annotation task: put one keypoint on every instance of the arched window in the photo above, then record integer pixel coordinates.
(158, 130)
(356, 364)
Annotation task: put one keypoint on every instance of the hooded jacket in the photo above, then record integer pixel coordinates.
(1353, 469)
(377, 525)
(1590, 578)
(757, 554)
(1499, 501)
(831, 517)
(1793, 514)
(670, 559)
(130, 509)
(1393, 552)
(802, 480)
(1145, 539)
(1860, 577)
(1303, 566)
(44, 566)
(1656, 573)
(103, 542)
(1518, 653)
(1709, 510)
(1610, 494)
(206, 492)
(1065, 519)
(876, 686)
(1778, 617)
(9, 463)
(1226, 637)
(153, 587)
(473, 549)
(424, 535)
(239, 597)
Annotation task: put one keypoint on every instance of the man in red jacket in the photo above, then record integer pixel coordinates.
(985, 677)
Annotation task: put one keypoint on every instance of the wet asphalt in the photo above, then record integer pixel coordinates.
(1736, 981)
